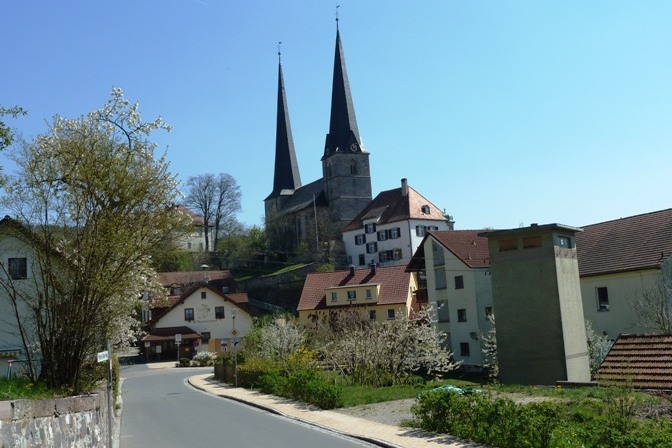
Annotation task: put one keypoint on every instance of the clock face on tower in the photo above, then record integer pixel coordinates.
(353, 147)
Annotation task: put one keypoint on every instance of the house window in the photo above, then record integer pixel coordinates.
(505, 245)
(352, 295)
(188, 245)
(372, 314)
(390, 314)
(371, 248)
(205, 336)
(442, 311)
(382, 235)
(462, 315)
(438, 258)
(464, 349)
(18, 268)
(420, 230)
(219, 312)
(395, 233)
(440, 278)
(225, 289)
(459, 282)
(204, 295)
(188, 314)
(532, 241)
(396, 254)
(382, 256)
(200, 246)
(334, 297)
(425, 209)
(602, 298)
(370, 228)
(488, 312)
(564, 241)
(362, 261)
(369, 294)
(360, 239)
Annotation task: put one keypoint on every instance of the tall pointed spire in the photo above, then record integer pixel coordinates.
(343, 132)
(286, 175)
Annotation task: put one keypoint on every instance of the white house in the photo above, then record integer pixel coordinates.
(457, 264)
(206, 320)
(192, 238)
(18, 269)
(391, 227)
(619, 261)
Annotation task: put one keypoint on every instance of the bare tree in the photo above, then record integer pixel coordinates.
(217, 199)
(653, 306)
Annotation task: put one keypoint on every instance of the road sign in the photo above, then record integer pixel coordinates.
(235, 342)
(234, 332)
(178, 338)
(103, 356)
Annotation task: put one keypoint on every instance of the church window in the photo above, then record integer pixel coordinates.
(360, 239)
(353, 167)
(370, 228)
(371, 248)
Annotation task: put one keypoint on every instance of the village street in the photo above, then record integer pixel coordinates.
(161, 409)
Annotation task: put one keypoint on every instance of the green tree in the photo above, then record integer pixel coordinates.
(6, 134)
(96, 200)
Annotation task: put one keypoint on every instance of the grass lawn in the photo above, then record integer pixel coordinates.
(358, 395)
(21, 388)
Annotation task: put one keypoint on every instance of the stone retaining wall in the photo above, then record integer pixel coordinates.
(76, 422)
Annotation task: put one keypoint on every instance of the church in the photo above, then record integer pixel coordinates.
(314, 213)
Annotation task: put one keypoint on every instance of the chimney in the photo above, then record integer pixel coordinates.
(373, 267)
(352, 269)
(404, 187)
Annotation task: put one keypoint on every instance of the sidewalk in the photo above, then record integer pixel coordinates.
(378, 433)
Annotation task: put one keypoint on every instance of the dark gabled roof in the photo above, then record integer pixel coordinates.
(394, 285)
(641, 361)
(392, 206)
(466, 245)
(303, 198)
(626, 244)
(343, 123)
(286, 174)
(168, 334)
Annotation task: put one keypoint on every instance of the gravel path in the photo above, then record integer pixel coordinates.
(388, 412)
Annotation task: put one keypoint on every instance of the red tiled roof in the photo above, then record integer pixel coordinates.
(390, 206)
(466, 245)
(237, 298)
(185, 278)
(394, 285)
(626, 244)
(196, 220)
(642, 361)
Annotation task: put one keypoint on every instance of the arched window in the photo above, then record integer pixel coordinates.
(353, 167)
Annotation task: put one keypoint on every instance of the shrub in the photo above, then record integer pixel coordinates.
(184, 362)
(203, 359)
(249, 373)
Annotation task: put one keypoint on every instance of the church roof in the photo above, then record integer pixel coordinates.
(392, 206)
(286, 174)
(343, 129)
(303, 197)
(626, 244)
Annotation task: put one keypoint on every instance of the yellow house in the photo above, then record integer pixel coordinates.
(377, 293)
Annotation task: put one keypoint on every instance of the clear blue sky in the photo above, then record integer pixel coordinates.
(502, 112)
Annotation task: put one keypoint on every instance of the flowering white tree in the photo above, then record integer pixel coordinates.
(382, 352)
(95, 200)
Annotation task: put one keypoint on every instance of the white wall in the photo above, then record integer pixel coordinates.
(204, 316)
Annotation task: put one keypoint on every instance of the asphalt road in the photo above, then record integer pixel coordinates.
(160, 409)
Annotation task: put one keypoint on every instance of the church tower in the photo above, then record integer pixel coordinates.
(286, 177)
(345, 163)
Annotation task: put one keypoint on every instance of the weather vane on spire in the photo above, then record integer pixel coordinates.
(279, 51)
(337, 6)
